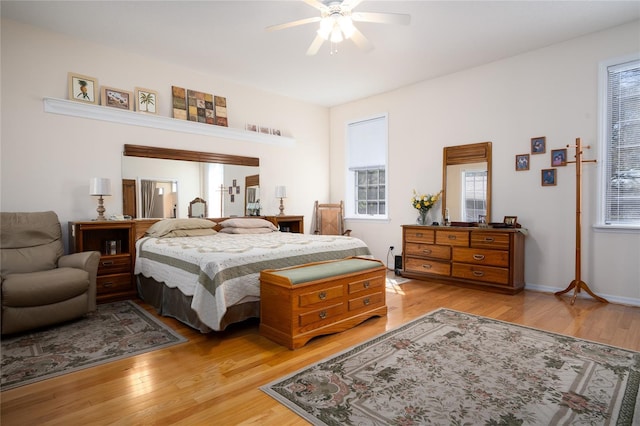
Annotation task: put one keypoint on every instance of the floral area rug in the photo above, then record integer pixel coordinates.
(453, 368)
(115, 331)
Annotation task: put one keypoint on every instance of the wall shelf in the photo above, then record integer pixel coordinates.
(114, 115)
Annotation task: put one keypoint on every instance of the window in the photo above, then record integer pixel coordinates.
(620, 142)
(366, 192)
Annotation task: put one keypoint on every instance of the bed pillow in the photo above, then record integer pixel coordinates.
(248, 223)
(231, 230)
(164, 226)
(190, 233)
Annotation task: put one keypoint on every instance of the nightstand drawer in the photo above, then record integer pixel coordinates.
(113, 283)
(114, 264)
(428, 250)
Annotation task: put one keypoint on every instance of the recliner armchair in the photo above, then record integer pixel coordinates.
(41, 286)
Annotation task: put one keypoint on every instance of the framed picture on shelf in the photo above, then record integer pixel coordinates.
(522, 162)
(558, 157)
(251, 127)
(265, 130)
(83, 88)
(117, 98)
(146, 100)
(539, 145)
(549, 177)
(276, 132)
(510, 221)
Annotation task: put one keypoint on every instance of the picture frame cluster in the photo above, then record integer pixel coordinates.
(558, 158)
(250, 127)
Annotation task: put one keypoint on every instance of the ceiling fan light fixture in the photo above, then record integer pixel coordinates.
(346, 26)
(336, 35)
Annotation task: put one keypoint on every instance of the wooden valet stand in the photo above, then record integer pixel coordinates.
(577, 284)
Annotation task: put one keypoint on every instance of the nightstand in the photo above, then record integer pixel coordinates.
(289, 223)
(115, 240)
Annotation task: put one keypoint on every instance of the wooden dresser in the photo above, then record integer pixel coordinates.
(486, 258)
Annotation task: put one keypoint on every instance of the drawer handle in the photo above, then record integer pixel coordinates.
(478, 256)
(108, 284)
(478, 273)
(366, 284)
(366, 301)
(322, 295)
(452, 237)
(489, 239)
(426, 251)
(107, 263)
(426, 266)
(419, 234)
(322, 314)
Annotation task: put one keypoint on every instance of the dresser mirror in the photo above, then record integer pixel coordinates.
(466, 180)
(179, 176)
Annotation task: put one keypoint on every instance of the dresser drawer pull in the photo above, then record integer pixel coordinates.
(489, 239)
(426, 266)
(478, 256)
(322, 295)
(419, 234)
(478, 273)
(366, 301)
(322, 314)
(366, 284)
(107, 263)
(107, 284)
(452, 237)
(426, 251)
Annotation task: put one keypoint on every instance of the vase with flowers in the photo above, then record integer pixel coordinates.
(423, 203)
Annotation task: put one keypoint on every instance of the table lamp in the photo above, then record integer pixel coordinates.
(281, 192)
(100, 187)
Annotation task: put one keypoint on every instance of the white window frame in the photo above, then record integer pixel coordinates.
(350, 189)
(603, 142)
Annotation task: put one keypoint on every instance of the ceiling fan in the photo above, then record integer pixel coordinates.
(336, 23)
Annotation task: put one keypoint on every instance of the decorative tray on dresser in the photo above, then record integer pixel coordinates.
(486, 258)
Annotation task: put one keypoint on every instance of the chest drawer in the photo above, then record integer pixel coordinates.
(418, 235)
(481, 256)
(413, 264)
(114, 264)
(319, 316)
(428, 250)
(366, 284)
(368, 301)
(452, 238)
(494, 240)
(320, 295)
(488, 274)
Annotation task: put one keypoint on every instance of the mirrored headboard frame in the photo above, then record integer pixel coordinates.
(181, 154)
(466, 154)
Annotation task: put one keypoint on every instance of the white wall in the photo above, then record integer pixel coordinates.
(48, 159)
(550, 92)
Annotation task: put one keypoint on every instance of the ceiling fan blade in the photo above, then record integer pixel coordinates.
(315, 46)
(351, 4)
(361, 41)
(294, 23)
(315, 3)
(382, 18)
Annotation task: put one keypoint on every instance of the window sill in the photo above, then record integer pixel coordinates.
(617, 229)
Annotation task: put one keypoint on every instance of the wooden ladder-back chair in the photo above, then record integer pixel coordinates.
(329, 219)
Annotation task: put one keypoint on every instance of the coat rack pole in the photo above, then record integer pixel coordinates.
(577, 284)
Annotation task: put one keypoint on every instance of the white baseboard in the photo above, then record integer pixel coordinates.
(613, 299)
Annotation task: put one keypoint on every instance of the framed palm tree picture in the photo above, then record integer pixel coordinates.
(146, 100)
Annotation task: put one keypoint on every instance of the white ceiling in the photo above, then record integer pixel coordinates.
(228, 38)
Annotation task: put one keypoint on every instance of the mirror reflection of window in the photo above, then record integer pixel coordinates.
(474, 194)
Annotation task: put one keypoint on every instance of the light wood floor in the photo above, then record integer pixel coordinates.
(214, 378)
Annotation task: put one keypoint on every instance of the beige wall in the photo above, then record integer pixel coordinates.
(550, 92)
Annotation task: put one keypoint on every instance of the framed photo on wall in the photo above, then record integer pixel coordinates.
(83, 88)
(539, 145)
(549, 177)
(146, 100)
(558, 157)
(522, 162)
(117, 98)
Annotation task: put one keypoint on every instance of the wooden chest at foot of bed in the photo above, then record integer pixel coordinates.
(302, 302)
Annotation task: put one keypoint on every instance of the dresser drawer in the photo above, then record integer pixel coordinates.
(488, 274)
(320, 295)
(113, 283)
(481, 256)
(114, 264)
(367, 301)
(366, 284)
(452, 238)
(495, 240)
(413, 264)
(321, 315)
(428, 250)
(417, 235)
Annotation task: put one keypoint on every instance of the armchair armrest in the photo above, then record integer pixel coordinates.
(87, 260)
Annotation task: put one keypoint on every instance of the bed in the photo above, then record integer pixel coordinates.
(210, 278)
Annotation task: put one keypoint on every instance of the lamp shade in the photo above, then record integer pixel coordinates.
(281, 192)
(100, 186)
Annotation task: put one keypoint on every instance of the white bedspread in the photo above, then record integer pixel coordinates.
(222, 270)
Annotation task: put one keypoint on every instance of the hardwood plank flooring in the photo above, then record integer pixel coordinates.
(214, 378)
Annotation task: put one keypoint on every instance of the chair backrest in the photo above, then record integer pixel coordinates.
(29, 242)
(198, 208)
(329, 219)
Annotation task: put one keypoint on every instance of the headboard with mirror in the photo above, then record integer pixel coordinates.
(189, 172)
(466, 179)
